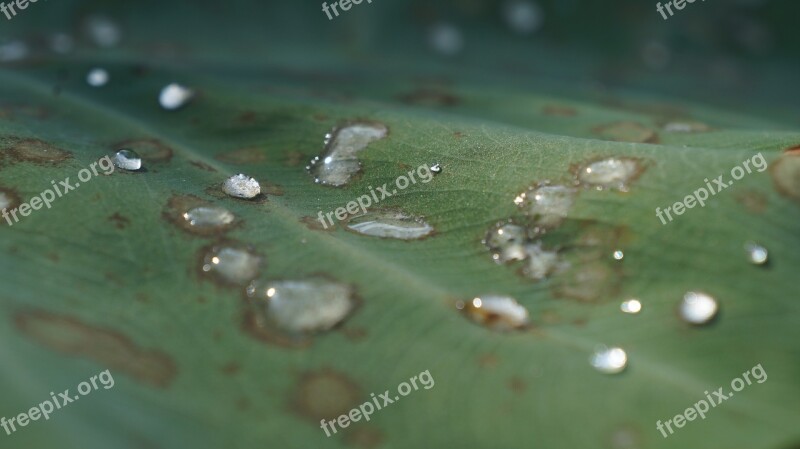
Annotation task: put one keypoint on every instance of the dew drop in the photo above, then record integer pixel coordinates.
(446, 39)
(206, 217)
(698, 308)
(13, 51)
(542, 263)
(610, 173)
(303, 306)
(506, 241)
(97, 77)
(547, 204)
(5, 200)
(618, 255)
(339, 162)
(395, 225)
(61, 43)
(241, 186)
(495, 312)
(523, 17)
(231, 264)
(756, 254)
(173, 96)
(609, 360)
(103, 31)
(436, 169)
(686, 127)
(631, 306)
(127, 159)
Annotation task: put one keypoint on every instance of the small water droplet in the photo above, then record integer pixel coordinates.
(390, 224)
(436, 169)
(609, 360)
(523, 17)
(97, 77)
(127, 159)
(446, 39)
(756, 254)
(173, 96)
(618, 255)
(339, 162)
(548, 204)
(209, 217)
(686, 127)
(542, 263)
(232, 264)
(496, 312)
(103, 31)
(5, 201)
(303, 306)
(507, 242)
(631, 306)
(698, 308)
(61, 43)
(610, 173)
(241, 186)
(13, 51)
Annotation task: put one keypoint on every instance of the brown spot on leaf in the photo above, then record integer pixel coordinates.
(33, 150)
(295, 158)
(247, 117)
(104, 346)
(254, 325)
(119, 221)
(559, 110)
(315, 225)
(786, 173)
(203, 166)
(626, 132)
(150, 150)
(517, 385)
(487, 360)
(430, 97)
(754, 201)
(243, 156)
(232, 368)
(272, 189)
(364, 437)
(324, 394)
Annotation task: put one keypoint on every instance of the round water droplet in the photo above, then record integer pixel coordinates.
(446, 39)
(436, 169)
(340, 162)
(127, 159)
(241, 186)
(618, 255)
(496, 312)
(547, 204)
(631, 306)
(174, 96)
(522, 16)
(209, 217)
(610, 173)
(609, 360)
(303, 306)
(97, 77)
(698, 308)
(103, 31)
(507, 242)
(390, 224)
(232, 264)
(13, 51)
(756, 254)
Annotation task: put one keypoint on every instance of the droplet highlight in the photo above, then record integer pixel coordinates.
(97, 77)
(631, 306)
(174, 96)
(756, 254)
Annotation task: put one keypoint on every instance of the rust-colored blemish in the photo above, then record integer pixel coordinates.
(364, 437)
(559, 110)
(315, 225)
(320, 117)
(107, 347)
(488, 360)
(295, 158)
(785, 173)
(203, 166)
(269, 188)
(430, 97)
(324, 394)
(517, 385)
(247, 117)
(33, 150)
(255, 327)
(458, 134)
(754, 201)
(119, 221)
(626, 132)
(150, 150)
(231, 368)
(355, 334)
(243, 156)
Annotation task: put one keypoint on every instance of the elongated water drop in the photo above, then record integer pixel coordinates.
(698, 308)
(390, 224)
(611, 173)
(609, 360)
(127, 159)
(631, 306)
(174, 96)
(496, 312)
(207, 217)
(241, 186)
(340, 162)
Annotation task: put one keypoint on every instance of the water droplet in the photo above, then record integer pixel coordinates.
(241, 186)
(507, 242)
(209, 217)
(496, 312)
(303, 306)
(339, 162)
(610, 173)
(61, 43)
(436, 169)
(127, 159)
(97, 77)
(389, 224)
(698, 308)
(686, 127)
(232, 264)
(632, 306)
(523, 17)
(173, 96)
(542, 263)
(446, 39)
(103, 31)
(5, 201)
(609, 360)
(618, 255)
(13, 51)
(547, 204)
(756, 254)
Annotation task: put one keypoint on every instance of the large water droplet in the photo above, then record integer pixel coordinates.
(756, 254)
(446, 39)
(523, 17)
(610, 173)
(207, 217)
(507, 242)
(174, 96)
(698, 308)
(609, 360)
(232, 264)
(631, 306)
(542, 263)
(97, 77)
(127, 159)
(390, 224)
(303, 306)
(340, 162)
(547, 204)
(496, 312)
(241, 186)
(103, 31)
